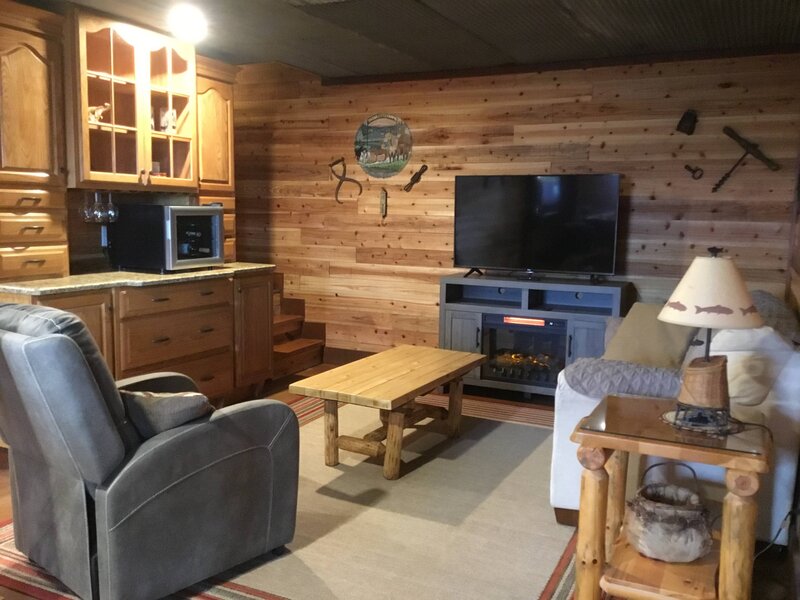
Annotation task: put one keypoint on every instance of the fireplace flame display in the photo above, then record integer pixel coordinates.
(516, 365)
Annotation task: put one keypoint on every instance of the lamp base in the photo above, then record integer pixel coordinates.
(705, 384)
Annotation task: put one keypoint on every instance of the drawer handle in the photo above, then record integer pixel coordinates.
(33, 228)
(207, 293)
(32, 199)
(161, 299)
(207, 378)
(161, 340)
(206, 329)
(35, 261)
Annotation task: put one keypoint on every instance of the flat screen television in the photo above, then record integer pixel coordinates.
(550, 223)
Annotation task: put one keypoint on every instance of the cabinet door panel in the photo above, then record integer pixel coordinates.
(29, 120)
(463, 332)
(253, 308)
(586, 339)
(215, 135)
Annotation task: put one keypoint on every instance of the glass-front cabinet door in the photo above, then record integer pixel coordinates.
(132, 108)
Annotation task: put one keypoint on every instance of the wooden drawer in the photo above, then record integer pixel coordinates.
(212, 374)
(31, 199)
(149, 300)
(33, 227)
(163, 338)
(228, 202)
(33, 262)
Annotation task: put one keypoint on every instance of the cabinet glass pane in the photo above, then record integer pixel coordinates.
(123, 58)
(182, 79)
(100, 150)
(98, 51)
(159, 69)
(125, 151)
(124, 104)
(161, 160)
(161, 119)
(180, 104)
(181, 151)
(99, 99)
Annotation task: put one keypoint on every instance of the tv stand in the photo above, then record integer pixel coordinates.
(529, 328)
(597, 279)
(474, 270)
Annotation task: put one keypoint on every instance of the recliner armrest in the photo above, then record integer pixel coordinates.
(158, 382)
(179, 454)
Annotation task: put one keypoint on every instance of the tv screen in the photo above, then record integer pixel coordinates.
(560, 223)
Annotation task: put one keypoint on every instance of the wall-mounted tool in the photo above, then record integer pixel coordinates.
(415, 178)
(384, 203)
(342, 178)
(696, 172)
(688, 122)
(751, 149)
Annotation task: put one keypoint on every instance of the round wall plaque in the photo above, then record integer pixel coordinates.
(383, 145)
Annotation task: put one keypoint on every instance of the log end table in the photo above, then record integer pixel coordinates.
(623, 424)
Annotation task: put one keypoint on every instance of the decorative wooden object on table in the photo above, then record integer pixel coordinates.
(620, 425)
(389, 381)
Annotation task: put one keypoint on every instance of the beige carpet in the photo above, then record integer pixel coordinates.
(470, 518)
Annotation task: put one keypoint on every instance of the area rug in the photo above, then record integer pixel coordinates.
(469, 519)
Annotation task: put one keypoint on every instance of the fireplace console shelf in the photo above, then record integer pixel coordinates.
(529, 329)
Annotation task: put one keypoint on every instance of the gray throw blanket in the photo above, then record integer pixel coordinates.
(596, 377)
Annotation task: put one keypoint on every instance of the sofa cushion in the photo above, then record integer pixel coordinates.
(154, 412)
(643, 339)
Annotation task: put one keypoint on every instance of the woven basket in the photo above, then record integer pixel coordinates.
(668, 522)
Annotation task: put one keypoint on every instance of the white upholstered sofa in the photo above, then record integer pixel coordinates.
(764, 384)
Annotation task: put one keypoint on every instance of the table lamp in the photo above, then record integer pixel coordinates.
(712, 295)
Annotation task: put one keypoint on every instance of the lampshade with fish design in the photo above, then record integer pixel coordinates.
(712, 294)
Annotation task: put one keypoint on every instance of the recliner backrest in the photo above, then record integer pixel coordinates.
(39, 321)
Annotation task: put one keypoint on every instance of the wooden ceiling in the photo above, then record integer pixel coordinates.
(356, 38)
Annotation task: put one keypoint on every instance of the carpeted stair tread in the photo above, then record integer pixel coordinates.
(285, 323)
(296, 345)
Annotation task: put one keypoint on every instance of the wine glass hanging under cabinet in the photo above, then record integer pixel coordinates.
(133, 105)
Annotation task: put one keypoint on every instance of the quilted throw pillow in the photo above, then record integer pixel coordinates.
(154, 412)
(596, 377)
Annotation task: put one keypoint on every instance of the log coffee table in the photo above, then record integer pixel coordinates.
(389, 381)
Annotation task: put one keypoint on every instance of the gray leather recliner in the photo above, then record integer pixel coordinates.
(114, 516)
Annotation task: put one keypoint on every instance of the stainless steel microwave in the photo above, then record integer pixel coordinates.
(151, 237)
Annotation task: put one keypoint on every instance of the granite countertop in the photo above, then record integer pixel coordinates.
(97, 281)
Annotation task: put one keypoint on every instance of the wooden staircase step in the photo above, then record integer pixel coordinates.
(285, 323)
(294, 346)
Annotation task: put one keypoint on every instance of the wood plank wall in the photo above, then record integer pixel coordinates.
(375, 283)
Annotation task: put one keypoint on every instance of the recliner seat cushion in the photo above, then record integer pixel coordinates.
(37, 321)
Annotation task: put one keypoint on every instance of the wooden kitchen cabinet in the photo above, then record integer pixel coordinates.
(215, 142)
(32, 210)
(131, 104)
(31, 119)
(253, 328)
(95, 308)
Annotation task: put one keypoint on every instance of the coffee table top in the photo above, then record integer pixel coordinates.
(635, 424)
(390, 378)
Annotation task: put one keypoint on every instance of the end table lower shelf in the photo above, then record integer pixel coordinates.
(631, 575)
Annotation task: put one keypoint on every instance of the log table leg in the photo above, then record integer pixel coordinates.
(331, 432)
(590, 550)
(454, 407)
(394, 444)
(739, 511)
(617, 468)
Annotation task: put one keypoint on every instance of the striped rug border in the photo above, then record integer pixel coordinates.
(509, 412)
(561, 585)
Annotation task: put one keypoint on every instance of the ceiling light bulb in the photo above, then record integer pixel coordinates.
(187, 23)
